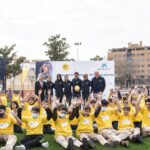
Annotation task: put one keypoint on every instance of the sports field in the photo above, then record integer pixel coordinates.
(54, 146)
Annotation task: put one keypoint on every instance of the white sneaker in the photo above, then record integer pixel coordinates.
(45, 145)
(20, 147)
(3, 148)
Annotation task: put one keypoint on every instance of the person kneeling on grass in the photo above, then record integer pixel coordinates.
(34, 126)
(85, 130)
(63, 132)
(7, 122)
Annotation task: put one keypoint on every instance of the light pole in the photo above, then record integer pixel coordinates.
(78, 44)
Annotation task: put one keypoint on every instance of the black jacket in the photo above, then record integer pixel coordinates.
(67, 87)
(98, 84)
(39, 87)
(58, 87)
(49, 86)
(86, 84)
(78, 82)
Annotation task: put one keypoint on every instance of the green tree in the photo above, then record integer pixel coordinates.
(12, 61)
(57, 48)
(96, 58)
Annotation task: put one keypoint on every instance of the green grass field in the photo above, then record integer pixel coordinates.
(55, 146)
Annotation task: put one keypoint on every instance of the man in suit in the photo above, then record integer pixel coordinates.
(40, 85)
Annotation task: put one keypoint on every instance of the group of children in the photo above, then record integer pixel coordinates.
(111, 122)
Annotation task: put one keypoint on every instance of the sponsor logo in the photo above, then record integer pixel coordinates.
(4, 125)
(65, 67)
(85, 121)
(105, 118)
(33, 124)
(126, 122)
(64, 124)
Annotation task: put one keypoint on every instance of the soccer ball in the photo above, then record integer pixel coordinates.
(77, 88)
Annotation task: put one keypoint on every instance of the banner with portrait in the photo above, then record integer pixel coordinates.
(44, 68)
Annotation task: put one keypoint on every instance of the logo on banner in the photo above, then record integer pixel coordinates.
(66, 67)
(104, 66)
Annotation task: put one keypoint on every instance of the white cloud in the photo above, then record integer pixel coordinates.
(98, 24)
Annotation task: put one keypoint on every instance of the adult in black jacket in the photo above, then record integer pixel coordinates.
(40, 85)
(86, 84)
(67, 89)
(59, 88)
(76, 82)
(98, 84)
(49, 85)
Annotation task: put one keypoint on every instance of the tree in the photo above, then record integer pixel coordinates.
(57, 48)
(97, 58)
(12, 62)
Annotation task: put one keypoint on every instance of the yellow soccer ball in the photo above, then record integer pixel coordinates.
(77, 88)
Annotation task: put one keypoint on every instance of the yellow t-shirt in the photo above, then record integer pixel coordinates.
(125, 122)
(34, 126)
(27, 108)
(146, 116)
(85, 124)
(7, 124)
(62, 126)
(142, 103)
(114, 116)
(138, 117)
(4, 99)
(104, 119)
(16, 97)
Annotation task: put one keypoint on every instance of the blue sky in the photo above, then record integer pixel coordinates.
(99, 24)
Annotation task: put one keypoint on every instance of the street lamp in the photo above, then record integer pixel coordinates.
(78, 44)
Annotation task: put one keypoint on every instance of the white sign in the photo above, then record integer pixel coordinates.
(106, 69)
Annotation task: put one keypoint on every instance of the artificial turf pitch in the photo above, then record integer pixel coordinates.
(54, 146)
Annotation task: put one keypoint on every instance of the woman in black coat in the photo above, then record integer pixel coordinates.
(59, 88)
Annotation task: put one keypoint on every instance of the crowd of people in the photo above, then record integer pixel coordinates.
(75, 107)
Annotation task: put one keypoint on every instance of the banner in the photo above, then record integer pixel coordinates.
(44, 68)
(106, 69)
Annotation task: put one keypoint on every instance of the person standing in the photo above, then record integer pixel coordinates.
(49, 86)
(59, 87)
(77, 85)
(40, 85)
(86, 84)
(67, 89)
(98, 84)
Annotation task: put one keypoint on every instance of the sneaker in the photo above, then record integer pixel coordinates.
(112, 144)
(84, 146)
(144, 135)
(124, 143)
(70, 144)
(91, 144)
(20, 147)
(45, 145)
(3, 148)
(139, 139)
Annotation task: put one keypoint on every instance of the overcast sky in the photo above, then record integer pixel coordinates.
(99, 24)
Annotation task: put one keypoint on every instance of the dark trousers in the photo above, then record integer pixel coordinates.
(68, 98)
(85, 96)
(77, 95)
(47, 129)
(138, 124)
(17, 129)
(115, 125)
(60, 96)
(31, 141)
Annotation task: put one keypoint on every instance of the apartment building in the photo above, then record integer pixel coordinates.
(132, 64)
